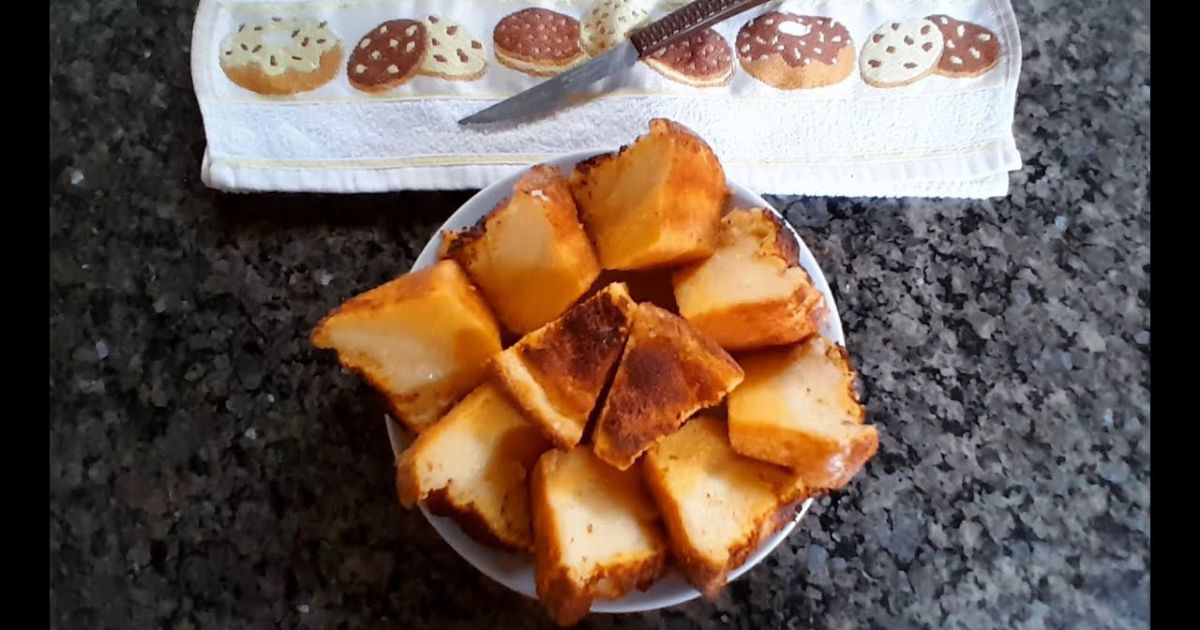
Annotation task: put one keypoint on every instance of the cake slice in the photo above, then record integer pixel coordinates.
(752, 291)
(797, 408)
(718, 506)
(529, 256)
(556, 373)
(667, 372)
(596, 533)
(423, 340)
(655, 203)
(473, 465)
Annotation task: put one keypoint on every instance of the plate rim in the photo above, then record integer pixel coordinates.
(636, 601)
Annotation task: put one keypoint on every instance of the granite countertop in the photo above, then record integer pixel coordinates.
(209, 469)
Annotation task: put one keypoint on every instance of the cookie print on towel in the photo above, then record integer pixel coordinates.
(970, 49)
(281, 56)
(455, 54)
(387, 56)
(903, 52)
(701, 59)
(609, 22)
(790, 51)
(538, 42)
(419, 53)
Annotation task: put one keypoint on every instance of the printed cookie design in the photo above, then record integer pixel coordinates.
(387, 56)
(790, 51)
(538, 42)
(900, 53)
(701, 59)
(609, 23)
(970, 50)
(281, 56)
(454, 52)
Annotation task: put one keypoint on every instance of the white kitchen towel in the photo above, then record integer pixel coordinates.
(936, 136)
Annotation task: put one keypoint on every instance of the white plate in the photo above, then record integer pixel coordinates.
(516, 571)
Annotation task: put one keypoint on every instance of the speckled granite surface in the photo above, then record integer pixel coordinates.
(208, 469)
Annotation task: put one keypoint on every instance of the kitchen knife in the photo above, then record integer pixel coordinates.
(556, 92)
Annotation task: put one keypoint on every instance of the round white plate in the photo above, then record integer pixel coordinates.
(516, 571)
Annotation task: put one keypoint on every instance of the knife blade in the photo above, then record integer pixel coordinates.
(549, 95)
(556, 92)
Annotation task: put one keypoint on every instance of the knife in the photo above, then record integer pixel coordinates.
(644, 42)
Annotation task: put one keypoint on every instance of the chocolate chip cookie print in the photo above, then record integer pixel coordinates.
(609, 22)
(387, 56)
(455, 54)
(902, 52)
(784, 50)
(970, 49)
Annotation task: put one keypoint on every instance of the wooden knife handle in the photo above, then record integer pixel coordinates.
(683, 22)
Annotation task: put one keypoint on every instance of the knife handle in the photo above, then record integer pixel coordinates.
(685, 21)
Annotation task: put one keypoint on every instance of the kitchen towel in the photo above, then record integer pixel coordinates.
(870, 98)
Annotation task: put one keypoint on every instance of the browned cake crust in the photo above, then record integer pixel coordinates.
(468, 518)
(700, 483)
(546, 180)
(556, 373)
(675, 220)
(566, 596)
(574, 360)
(821, 460)
(668, 372)
(486, 492)
(524, 292)
(404, 287)
(782, 319)
(710, 577)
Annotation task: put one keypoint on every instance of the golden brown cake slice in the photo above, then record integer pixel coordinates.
(422, 339)
(596, 533)
(474, 465)
(529, 255)
(655, 203)
(752, 291)
(667, 372)
(797, 408)
(717, 505)
(556, 373)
